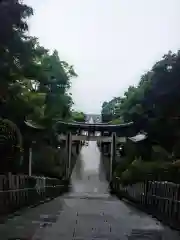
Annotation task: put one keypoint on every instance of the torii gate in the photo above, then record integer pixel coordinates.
(118, 133)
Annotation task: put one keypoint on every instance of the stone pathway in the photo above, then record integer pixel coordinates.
(87, 212)
(75, 217)
(98, 217)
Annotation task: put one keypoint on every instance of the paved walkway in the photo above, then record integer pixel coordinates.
(87, 212)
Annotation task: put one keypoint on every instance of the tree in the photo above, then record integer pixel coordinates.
(14, 44)
(78, 116)
(154, 104)
(55, 80)
(115, 121)
(110, 109)
(34, 84)
(18, 59)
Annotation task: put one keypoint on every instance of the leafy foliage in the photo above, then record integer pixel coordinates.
(115, 121)
(110, 110)
(154, 106)
(34, 84)
(78, 116)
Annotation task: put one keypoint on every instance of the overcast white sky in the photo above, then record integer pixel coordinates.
(111, 43)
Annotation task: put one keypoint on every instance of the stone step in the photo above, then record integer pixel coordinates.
(88, 196)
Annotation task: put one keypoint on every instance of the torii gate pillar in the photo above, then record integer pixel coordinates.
(69, 154)
(113, 155)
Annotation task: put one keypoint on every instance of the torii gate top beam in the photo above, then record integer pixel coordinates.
(125, 130)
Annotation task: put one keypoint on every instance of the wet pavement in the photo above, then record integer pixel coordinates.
(87, 212)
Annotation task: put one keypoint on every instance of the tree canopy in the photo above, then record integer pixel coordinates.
(34, 85)
(78, 116)
(153, 105)
(154, 102)
(33, 82)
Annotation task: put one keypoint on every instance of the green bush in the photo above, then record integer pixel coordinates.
(139, 171)
(48, 161)
(160, 154)
(116, 121)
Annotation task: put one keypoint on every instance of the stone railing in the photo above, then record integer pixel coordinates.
(17, 191)
(162, 199)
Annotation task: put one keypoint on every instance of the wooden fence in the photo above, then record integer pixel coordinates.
(162, 199)
(17, 191)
